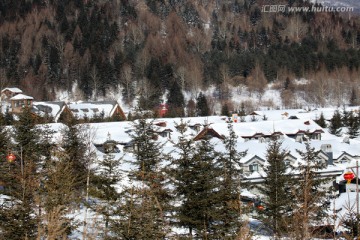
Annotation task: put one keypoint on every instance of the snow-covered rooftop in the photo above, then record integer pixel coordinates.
(21, 97)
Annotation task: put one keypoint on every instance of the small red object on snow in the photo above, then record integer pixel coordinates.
(11, 157)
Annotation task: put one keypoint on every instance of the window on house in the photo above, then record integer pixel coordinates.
(254, 167)
(287, 163)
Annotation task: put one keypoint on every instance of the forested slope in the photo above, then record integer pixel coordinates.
(144, 47)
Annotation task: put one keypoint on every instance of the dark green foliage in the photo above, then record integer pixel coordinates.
(202, 108)
(103, 188)
(19, 221)
(276, 190)
(146, 149)
(230, 186)
(335, 124)
(142, 209)
(176, 101)
(225, 110)
(321, 121)
(75, 149)
(201, 207)
(309, 193)
(353, 125)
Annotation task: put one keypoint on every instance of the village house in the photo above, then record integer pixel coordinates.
(59, 111)
(20, 101)
(9, 92)
(100, 109)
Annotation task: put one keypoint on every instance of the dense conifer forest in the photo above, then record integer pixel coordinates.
(151, 46)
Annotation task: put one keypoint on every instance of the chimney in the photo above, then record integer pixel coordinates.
(328, 150)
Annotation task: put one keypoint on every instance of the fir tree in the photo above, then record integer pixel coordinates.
(335, 124)
(18, 218)
(225, 110)
(202, 108)
(353, 126)
(181, 172)
(201, 210)
(143, 207)
(75, 148)
(175, 101)
(308, 194)
(321, 121)
(230, 187)
(276, 189)
(103, 188)
(57, 197)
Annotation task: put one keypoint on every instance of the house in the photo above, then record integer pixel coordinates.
(208, 133)
(19, 101)
(57, 110)
(254, 164)
(8, 93)
(101, 109)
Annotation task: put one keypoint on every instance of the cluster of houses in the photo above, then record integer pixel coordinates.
(253, 137)
(14, 100)
(293, 127)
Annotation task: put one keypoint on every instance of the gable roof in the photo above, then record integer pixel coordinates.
(90, 109)
(52, 108)
(21, 97)
(208, 132)
(12, 89)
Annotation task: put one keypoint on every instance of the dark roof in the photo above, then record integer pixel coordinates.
(207, 132)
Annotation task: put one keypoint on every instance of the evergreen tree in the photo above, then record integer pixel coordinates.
(230, 187)
(309, 194)
(75, 148)
(58, 197)
(201, 208)
(225, 110)
(353, 126)
(8, 117)
(345, 117)
(321, 121)
(103, 188)
(175, 101)
(202, 108)
(335, 124)
(18, 218)
(143, 207)
(276, 190)
(181, 172)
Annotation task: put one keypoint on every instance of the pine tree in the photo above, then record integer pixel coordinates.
(353, 126)
(202, 108)
(308, 194)
(58, 197)
(75, 148)
(335, 124)
(103, 188)
(321, 121)
(230, 187)
(180, 171)
(18, 218)
(225, 110)
(143, 207)
(276, 190)
(176, 101)
(197, 185)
